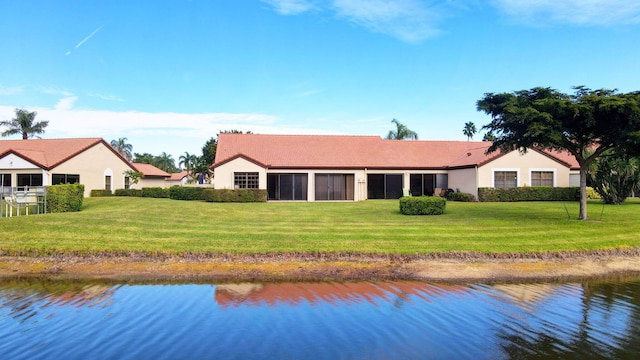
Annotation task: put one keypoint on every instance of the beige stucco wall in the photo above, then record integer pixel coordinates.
(523, 164)
(151, 182)
(464, 180)
(92, 165)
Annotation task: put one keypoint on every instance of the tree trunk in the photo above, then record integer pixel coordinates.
(583, 193)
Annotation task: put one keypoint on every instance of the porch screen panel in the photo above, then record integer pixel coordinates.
(286, 187)
(322, 187)
(415, 184)
(5, 180)
(29, 180)
(442, 181)
(393, 186)
(375, 186)
(273, 187)
(300, 186)
(334, 186)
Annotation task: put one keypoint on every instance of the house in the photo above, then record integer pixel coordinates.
(89, 161)
(179, 179)
(328, 167)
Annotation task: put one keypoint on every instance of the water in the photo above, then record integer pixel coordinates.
(358, 320)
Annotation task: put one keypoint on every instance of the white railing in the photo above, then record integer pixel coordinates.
(23, 198)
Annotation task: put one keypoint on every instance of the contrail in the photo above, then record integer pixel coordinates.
(86, 39)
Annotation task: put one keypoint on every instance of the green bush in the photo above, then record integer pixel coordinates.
(422, 205)
(592, 193)
(460, 196)
(155, 192)
(65, 198)
(533, 193)
(237, 195)
(186, 193)
(101, 192)
(128, 192)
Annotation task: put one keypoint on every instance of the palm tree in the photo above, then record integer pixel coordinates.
(188, 160)
(165, 162)
(24, 124)
(402, 132)
(123, 148)
(469, 130)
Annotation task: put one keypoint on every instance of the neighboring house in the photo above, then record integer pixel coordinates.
(179, 179)
(152, 177)
(327, 167)
(41, 162)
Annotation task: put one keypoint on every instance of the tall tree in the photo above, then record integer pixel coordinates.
(209, 151)
(586, 124)
(188, 160)
(165, 162)
(125, 149)
(401, 132)
(469, 130)
(24, 123)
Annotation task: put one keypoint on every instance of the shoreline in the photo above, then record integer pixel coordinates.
(449, 267)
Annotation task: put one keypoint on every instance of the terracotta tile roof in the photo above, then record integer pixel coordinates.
(178, 176)
(356, 152)
(49, 153)
(150, 171)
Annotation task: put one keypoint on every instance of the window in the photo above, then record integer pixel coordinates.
(287, 186)
(127, 182)
(246, 180)
(422, 184)
(5, 180)
(107, 182)
(384, 186)
(505, 179)
(29, 180)
(334, 186)
(542, 178)
(64, 179)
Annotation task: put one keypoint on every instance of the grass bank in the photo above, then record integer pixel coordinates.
(163, 227)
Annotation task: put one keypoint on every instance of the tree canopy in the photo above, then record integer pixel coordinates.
(24, 123)
(586, 124)
(125, 149)
(401, 132)
(163, 161)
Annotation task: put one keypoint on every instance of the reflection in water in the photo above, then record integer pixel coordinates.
(375, 320)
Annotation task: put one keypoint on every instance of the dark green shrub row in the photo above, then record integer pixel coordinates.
(186, 193)
(100, 193)
(422, 205)
(237, 195)
(155, 192)
(65, 198)
(533, 193)
(128, 192)
(460, 196)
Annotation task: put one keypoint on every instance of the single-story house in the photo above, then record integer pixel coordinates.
(179, 179)
(89, 161)
(328, 167)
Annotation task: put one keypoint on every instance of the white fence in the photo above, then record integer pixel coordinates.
(22, 199)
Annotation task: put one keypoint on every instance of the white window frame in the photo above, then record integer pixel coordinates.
(495, 170)
(552, 170)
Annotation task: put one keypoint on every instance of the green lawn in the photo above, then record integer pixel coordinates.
(163, 226)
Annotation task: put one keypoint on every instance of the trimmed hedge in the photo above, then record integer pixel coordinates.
(533, 193)
(460, 196)
(128, 192)
(101, 193)
(422, 205)
(236, 195)
(186, 193)
(65, 198)
(155, 192)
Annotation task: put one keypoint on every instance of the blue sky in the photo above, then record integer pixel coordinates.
(168, 75)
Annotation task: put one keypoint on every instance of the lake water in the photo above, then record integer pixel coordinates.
(351, 320)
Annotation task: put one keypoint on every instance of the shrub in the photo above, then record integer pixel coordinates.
(592, 193)
(533, 193)
(460, 196)
(101, 192)
(128, 192)
(236, 195)
(155, 192)
(65, 198)
(186, 193)
(422, 205)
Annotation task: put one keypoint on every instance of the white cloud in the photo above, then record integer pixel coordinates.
(574, 12)
(407, 20)
(5, 90)
(66, 103)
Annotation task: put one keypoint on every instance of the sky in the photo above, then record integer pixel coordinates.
(170, 74)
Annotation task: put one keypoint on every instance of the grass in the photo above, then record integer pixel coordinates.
(122, 225)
